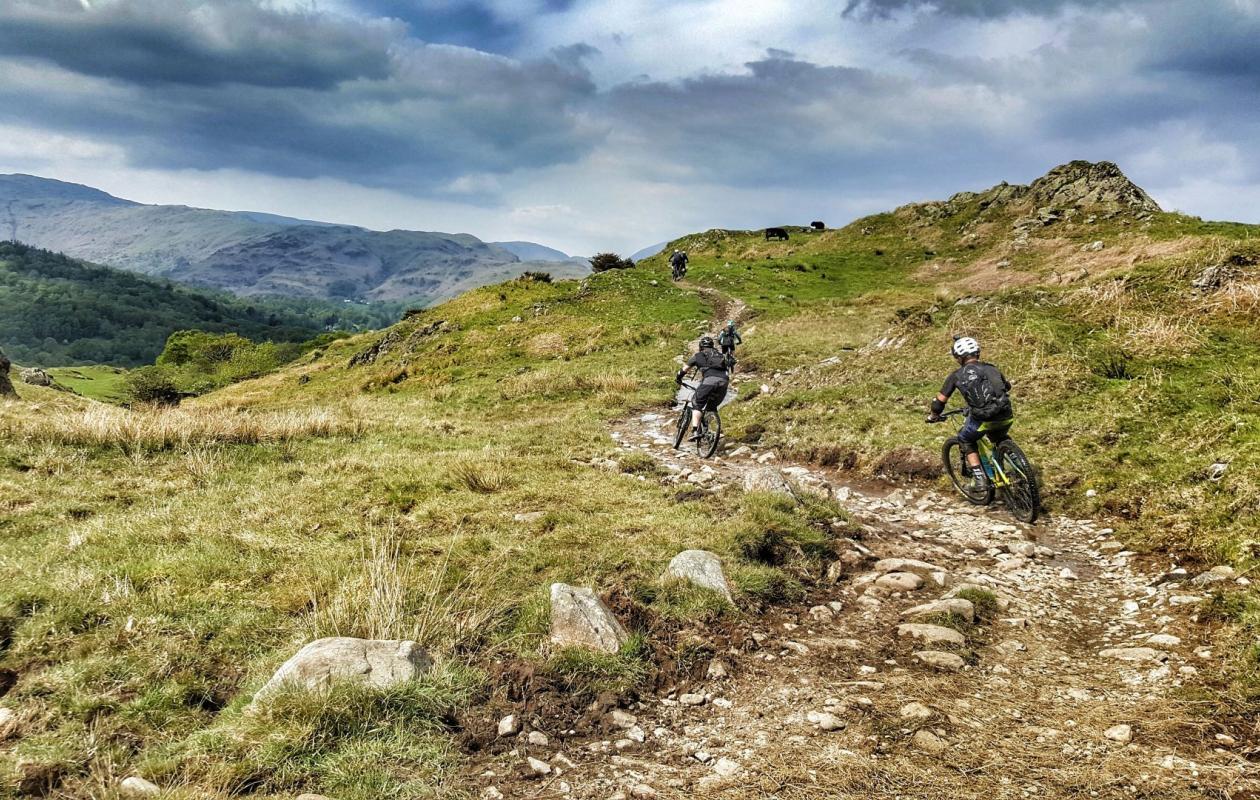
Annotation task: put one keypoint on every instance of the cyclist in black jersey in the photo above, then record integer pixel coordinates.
(715, 380)
(987, 394)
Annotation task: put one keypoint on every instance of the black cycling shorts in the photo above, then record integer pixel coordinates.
(709, 396)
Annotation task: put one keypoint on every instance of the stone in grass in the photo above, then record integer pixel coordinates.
(379, 663)
(537, 767)
(509, 725)
(931, 634)
(915, 712)
(948, 662)
(927, 742)
(899, 581)
(138, 787)
(767, 479)
(1120, 733)
(702, 568)
(954, 606)
(580, 619)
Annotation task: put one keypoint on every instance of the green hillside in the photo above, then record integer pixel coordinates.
(55, 310)
(430, 481)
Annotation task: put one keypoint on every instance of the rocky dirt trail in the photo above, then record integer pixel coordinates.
(1074, 679)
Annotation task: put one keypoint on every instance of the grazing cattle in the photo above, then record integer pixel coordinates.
(776, 233)
(818, 225)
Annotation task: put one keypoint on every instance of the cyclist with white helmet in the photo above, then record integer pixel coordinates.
(986, 392)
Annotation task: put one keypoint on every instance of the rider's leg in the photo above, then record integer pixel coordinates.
(968, 435)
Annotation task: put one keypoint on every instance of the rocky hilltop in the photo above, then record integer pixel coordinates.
(256, 254)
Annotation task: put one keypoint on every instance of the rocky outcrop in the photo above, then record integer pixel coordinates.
(6, 385)
(1085, 183)
(580, 619)
(379, 663)
(702, 568)
(36, 377)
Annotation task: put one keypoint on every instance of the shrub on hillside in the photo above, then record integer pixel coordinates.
(153, 385)
(601, 262)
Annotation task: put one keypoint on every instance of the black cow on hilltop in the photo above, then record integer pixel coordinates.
(776, 233)
(818, 225)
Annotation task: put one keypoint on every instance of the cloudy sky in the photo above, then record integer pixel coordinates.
(613, 124)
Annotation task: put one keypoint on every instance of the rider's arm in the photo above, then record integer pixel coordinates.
(942, 397)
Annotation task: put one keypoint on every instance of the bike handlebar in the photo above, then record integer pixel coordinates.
(948, 414)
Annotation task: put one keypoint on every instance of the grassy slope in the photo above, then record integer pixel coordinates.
(148, 586)
(98, 383)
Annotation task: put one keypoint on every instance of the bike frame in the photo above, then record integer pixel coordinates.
(985, 448)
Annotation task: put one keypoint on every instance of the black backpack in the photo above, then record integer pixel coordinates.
(982, 388)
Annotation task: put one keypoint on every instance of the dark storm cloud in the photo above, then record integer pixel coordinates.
(197, 43)
(290, 94)
(976, 8)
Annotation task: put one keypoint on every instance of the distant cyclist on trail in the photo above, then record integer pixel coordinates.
(678, 263)
(986, 391)
(729, 337)
(715, 376)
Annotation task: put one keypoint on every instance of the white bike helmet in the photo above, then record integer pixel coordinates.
(965, 346)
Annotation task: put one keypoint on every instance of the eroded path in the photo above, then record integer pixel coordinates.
(1074, 682)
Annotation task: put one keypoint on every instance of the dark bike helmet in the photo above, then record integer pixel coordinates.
(706, 342)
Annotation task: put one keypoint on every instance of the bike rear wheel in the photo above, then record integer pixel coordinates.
(711, 426)
(684, 418)
(955, 461)
(1023, 495)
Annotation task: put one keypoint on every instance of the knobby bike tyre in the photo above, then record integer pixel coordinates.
(960, 474)
(681, 428)
(711, 424)
(1023, 495)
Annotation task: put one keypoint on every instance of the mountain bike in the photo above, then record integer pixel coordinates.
(1008, 469)
(678, 271)
(710, 427)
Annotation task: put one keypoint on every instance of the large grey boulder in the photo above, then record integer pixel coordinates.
(379, 663)
(36, 377)
(702, 568)
(580, 619)
(6, 385)
(767, 479)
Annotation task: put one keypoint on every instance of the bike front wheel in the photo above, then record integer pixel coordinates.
(711, 427)
(683, 419)
(1023, 494)
(955, 461)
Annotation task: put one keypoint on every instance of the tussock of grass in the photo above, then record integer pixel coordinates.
(982, 600)
(156, 429)
(587, 673)
(557, 383)
(483, 477)
(681, 600)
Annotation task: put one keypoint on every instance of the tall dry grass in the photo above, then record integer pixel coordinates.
(548, 382)
(152, 429)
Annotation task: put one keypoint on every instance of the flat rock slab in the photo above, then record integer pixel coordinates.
(899, 581)
(948, 662)
(931, 634)
(957, 607)
(906, 565)
(380, 663)
(580, 619)
(767, 479)
(1135, 654)
(702, 568)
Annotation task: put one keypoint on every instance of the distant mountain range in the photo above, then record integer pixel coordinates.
(250, 253)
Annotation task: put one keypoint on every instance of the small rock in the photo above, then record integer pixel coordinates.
(8, 723)
(955, 606)
(1135, 654)
(138, 787)
(937, 659)
(1164, 640)
(727, 768)
(1067, 574)
(489, 793)
(717, 671)
(509, 725)
(821, 614)
(825, 721)
(1225, 740)
(931, 634)
(1214, 575)
(636, 735)
(1026, 549)
(538, 767)
(379, 663)
(915, 712)
(691, 699)
(702, 568)
(538, 739)
(641, 791)
(928, 742)
(580, 619)
(623, 719)
(899, 581)
(767, 480)
(1120, 733)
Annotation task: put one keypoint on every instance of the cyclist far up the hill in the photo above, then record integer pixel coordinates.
(678, 263)
(715, 379)
(729, 337)
(987, 394)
